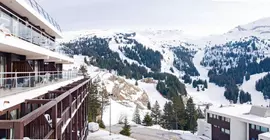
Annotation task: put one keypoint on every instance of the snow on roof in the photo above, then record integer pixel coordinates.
(231, 110)
(267, 135)
(241, 112)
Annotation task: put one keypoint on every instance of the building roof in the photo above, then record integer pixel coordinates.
(260, 111)
(246, 113)
(266, 135)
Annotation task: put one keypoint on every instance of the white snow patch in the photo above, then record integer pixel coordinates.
(118, 110)
(249, 86)
(153, 94)
(184, 135)
(214, 94)
(105, 135)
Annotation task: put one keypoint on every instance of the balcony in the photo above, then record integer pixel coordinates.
(12, 25)
(43, 13)
(16, 82)
(50, 115)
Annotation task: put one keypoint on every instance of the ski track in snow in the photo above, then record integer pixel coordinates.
(249, 86)
(214, 94)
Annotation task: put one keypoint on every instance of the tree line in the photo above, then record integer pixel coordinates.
(175, 115)
(143, 55)
(263, 85)
(103, 57)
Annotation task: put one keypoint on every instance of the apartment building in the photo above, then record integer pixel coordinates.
(236, 122)
(38, 99)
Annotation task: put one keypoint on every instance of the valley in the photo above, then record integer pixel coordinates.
(141, 68)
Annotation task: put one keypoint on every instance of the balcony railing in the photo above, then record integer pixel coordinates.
(12, 25)
(43, 13)
(14, 82)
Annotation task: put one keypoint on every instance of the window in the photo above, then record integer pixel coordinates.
(223, 118)
(252, 126)
(227, 131)
(222, 130)
(264, 129)
(258, 127)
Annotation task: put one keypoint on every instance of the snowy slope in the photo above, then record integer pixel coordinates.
(157, 40)
(163, 40)
(259, 28)
(249, 86)
(125, 105)
(214, 94)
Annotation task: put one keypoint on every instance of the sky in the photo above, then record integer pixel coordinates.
(194, 17)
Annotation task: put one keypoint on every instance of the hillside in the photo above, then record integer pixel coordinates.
(227, 62)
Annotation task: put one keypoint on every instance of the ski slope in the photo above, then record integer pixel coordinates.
(249, 86)
(214, 94)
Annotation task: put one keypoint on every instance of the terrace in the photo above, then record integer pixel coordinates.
(57, 114)
(13, 25)
(16, 82)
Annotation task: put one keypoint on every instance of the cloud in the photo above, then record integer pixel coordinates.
(203, 16)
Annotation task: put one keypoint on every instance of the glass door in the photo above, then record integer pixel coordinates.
(2, 70)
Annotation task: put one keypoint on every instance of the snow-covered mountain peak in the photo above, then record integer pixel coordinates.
(260, 26)
(259, 29)
(172, 37)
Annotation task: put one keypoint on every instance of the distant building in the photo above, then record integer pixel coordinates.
(236, 122)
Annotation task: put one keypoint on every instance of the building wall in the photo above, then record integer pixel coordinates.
(218, 126)
(238, 130)
(255, 130)
(204, 128)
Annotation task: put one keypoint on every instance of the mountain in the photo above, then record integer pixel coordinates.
(232, 57)
(259, 28)
(213, 70)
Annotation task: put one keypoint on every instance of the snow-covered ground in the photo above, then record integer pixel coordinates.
(214, 94)
(153, 94)
(249, 86)
(120, 111)
(184, 135)
(105, 135)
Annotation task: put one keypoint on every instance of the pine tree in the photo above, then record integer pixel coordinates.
(205, 84)
(191, 115)
(178, 112)
(83, 70)
(198, 88)
(156, 113)
(149, 105)
(136, 83)
(136, 116)
(101, 124)
(126, 129)
(167, 117)
(94, 103)
(194, 84)
(247, 77)
(85, 61)
(147, 120)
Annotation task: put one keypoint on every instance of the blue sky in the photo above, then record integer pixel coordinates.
(196, 17)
